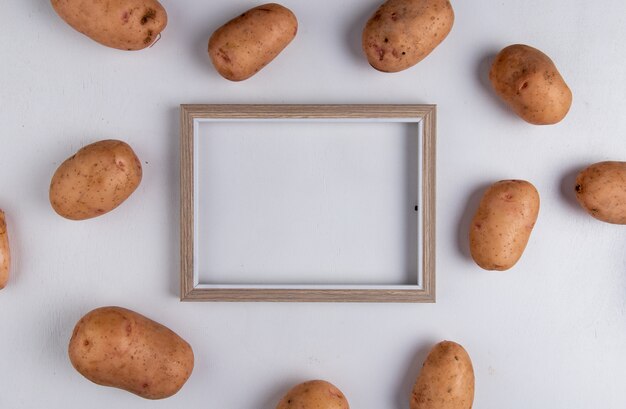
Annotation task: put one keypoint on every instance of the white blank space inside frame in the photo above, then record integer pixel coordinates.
(307, 202)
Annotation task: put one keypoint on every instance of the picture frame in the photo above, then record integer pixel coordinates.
(424, 116)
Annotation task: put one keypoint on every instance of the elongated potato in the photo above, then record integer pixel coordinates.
(502, 225)
(402, 33)
(314, 395)
(113, 346)
(530, 84)
(123, 24)
(601, 191)
(96, 180)
(446, 380)
(243, 46)
(5, 252)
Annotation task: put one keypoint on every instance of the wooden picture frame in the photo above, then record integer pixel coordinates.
(424, 115)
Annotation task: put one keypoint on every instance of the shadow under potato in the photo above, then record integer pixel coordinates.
(355, 32)
(201, 53)
(277, 394)
(567, 187)
(466, 219)
(412, 372)
(482, 76)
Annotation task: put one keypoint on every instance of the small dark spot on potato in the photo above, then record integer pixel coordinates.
(386, 40)
(150, 14)
(224, 56)
(579, 188)
(456, 358)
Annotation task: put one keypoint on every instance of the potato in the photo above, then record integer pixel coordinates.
(446, 380)
(96, 180)
(113, 346)
(402, 33)
(246, 44)
(122, 24)
(5, 252)
(314, 395)
(601, 191)
(502, 225)
(530, 84)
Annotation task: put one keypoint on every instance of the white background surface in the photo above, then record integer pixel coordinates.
(307, 203)
(551, 333)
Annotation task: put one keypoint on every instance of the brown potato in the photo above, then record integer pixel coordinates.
(446, 380)
(116, 347)
(502, 225)
(243, 46)
(530, 84)
(122, 24)
(96, 180)
(601, 191)
(5, 252)
(314, 395)
(402, 33)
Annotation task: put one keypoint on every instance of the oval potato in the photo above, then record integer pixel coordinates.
(314, 395)
(113, 346)
(402, 33)
(122, 24)
(243, 46)
(530, 84)
(502, 225)
(446, 380)
(601, 191)
(96, 180)
(5, 252)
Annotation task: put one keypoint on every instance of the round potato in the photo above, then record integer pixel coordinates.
(402, 33)
(113, 346)
(446, 380)
(502, 225)
(5, 252)
(314, 395)
(601, 191)
(530, 84)
(243, 46)
(96, 180)
(123, 24)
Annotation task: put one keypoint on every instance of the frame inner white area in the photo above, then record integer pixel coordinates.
(308, 203)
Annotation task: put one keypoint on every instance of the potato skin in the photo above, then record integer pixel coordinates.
(5, 252)
(601, 191)
(122, 24)
(314, 395)
(530, 84)
(243, 46)
(113, 346)
(446, 380)
(96, 180)
(502, 225)
(402, 33)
